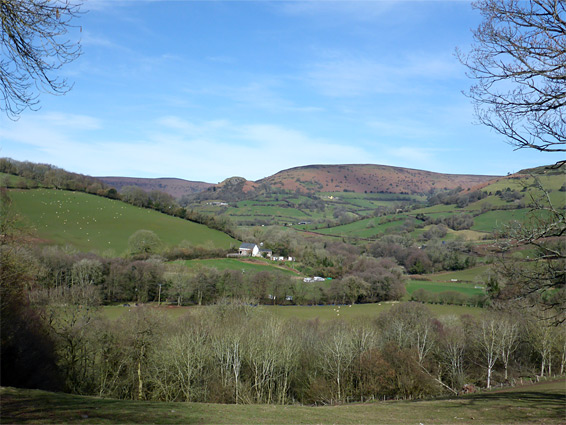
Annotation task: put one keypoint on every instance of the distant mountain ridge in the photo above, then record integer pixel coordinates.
(359, 178)
(369, 178)
(173, 186)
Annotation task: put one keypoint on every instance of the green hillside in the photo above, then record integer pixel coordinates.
(505, 200)
(541, 403)
(94, 223)
(292, 208)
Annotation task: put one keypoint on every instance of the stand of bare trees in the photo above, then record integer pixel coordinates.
(234, 353)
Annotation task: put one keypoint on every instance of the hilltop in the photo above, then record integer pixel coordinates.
(369, 178)
(173, 186)
(353, 178)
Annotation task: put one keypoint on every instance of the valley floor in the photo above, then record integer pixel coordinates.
(543, 403)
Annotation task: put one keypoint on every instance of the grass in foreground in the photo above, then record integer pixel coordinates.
(542, 403)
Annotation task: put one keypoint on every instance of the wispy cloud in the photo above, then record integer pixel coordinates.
(406, 128)
(351, 76)
(258, 92)
(351, 10)
(70, 121)
(210, 151)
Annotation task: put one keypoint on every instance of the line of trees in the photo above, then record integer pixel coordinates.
(235, 353)
(147, 278)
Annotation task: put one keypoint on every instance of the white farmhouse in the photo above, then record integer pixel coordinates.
(249, 250)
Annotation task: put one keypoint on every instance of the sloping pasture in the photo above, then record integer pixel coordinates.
(94, 223)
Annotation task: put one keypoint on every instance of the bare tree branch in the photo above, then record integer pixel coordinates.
(34, 44)
(519, 65)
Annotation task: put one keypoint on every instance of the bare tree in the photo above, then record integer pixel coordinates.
(179, 367)
(539, 280)
(541, 337)
(337, 354)
(509, 340)
(519, 64)
(488, 340)
(451, 352)
(34, 45)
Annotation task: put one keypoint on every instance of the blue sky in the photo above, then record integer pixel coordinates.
(205, 90)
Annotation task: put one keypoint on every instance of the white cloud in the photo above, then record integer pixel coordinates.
(405, 128)
(209, 151)
(71, 121)
(411, 153)
(261, 92)
(346, 75)
(350, 10)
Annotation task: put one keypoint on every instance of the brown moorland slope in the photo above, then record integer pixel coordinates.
(174, 187)
(369, 178)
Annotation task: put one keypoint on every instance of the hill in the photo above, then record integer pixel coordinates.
(537, 403)
(173, 186)
(90, 222)
(231, 189)
(323, 192)
(369, 178)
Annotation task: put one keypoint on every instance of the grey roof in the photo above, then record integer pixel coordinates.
(246, 245)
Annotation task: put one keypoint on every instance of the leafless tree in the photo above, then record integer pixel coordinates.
(541, 337)
(337, 354)
(36, 40)
(509, 340)
(518, 63)
(488, 340)
(541, 278)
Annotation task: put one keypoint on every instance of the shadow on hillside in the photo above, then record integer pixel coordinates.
(516, 404)
(31, 407)
(40, 407)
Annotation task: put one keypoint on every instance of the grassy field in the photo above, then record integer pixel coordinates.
(361, 311)
(467, 275)
(462, 281)
(464, 288)
(9, 180)
(494, 220)
(250, 265)
(323, 313)
(363, 228)
(292, 208)
(93, 223)
(541, 403)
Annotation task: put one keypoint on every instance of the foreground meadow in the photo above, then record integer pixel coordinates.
(542, 403)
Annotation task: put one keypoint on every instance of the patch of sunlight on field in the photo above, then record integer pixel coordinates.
(323, 313)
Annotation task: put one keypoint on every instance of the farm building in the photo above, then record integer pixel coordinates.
(280, 258)
(266, 253)
(249, 250)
